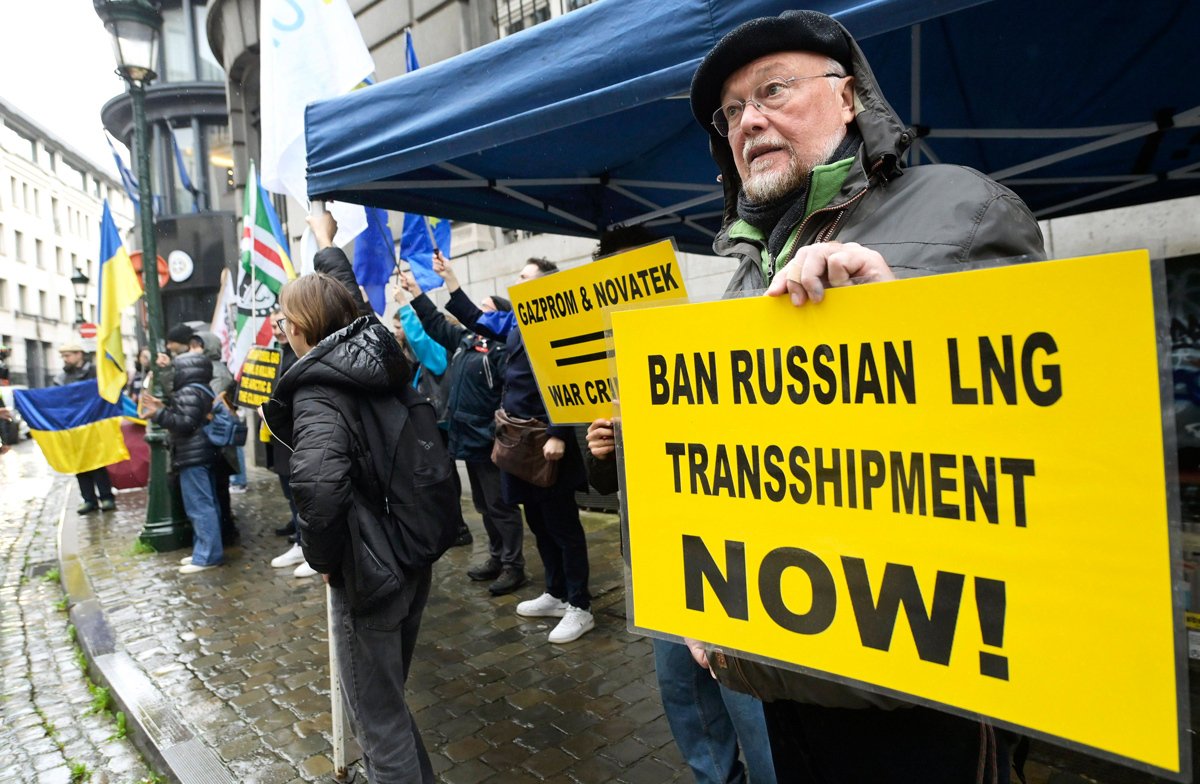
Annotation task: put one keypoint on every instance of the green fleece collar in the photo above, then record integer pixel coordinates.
(824, 183)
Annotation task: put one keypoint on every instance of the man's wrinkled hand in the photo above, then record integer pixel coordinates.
(696, 648)
(163, 360)
(600, 439)
(554, 449)
(828, 265)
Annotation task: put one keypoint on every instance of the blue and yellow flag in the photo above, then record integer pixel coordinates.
(77, 429)
(118, 289)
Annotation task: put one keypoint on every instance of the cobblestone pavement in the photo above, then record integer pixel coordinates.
(242, 653)
(48, 734)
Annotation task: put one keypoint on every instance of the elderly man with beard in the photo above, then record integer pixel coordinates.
(815, 196)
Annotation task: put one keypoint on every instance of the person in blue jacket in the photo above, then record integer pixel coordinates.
(550, 512)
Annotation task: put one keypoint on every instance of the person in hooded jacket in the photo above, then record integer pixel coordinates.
(208, 345)
(809, 153)
(192, 455)
(346, 364)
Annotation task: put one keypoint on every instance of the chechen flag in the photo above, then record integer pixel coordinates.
(265, 267)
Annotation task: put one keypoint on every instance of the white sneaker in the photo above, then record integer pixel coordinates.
(545, 606)
(185, 560)
(193, 568)
(304, 570)
(292, 557)
(237, 488)
(575, 624)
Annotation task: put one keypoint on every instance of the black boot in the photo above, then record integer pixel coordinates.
(488, 570)
(464, 537)
(510, 579)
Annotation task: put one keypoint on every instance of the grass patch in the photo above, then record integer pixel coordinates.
(52, 575)
(101, 699)
(140, 548)
(72, 633)
(80, 772)
(122, 729)
(62, 604)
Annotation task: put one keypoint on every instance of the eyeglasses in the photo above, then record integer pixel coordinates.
(767, 97)
(279, 322)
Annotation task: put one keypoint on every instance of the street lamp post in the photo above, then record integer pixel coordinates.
(135, 26)
(80, 282)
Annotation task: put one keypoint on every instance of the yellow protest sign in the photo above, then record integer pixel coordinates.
(258, 377)
(951, 488)
(561, 317)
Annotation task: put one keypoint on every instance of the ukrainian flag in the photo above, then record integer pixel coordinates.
(118, 289)
(77, 429)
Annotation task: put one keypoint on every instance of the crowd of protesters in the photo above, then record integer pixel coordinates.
(815, 196)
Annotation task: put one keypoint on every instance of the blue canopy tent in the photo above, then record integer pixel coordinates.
(582, 124)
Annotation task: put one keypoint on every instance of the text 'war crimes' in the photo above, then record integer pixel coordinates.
(627, 287)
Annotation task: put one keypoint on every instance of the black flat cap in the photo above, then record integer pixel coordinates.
(791, 31)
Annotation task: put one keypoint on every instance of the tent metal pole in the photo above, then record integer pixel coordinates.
(1190, 117)
(1094, 180)
(1031, 133)
(1066, 205)
(672, 209)
(400, 185)
(915, 87)
(509, 192)
(689, 222)
(666, 186)
(1182, 173)
(461, 172)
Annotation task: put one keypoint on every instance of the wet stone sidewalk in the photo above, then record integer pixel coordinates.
(241, 653)
(49, 732)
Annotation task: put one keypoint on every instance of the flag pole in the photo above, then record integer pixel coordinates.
(337, 712)
(253, 266)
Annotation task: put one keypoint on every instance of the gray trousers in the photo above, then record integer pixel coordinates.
(502, 520)
(374, 653)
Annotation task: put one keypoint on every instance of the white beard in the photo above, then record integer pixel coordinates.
(766, 186)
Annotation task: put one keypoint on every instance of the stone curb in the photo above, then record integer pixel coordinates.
(152, 723)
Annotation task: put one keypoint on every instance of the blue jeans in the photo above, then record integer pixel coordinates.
(239, 478)
(199, 493)
(709, 721)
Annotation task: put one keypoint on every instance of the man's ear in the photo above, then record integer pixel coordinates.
(846, 99)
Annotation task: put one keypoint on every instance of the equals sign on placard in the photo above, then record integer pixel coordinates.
(578, 340)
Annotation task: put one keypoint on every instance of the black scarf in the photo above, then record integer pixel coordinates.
(777, 219)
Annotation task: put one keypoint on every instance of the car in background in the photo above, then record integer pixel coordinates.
(6, 395)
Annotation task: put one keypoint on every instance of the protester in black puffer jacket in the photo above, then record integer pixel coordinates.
(192, 455)
(348, 364)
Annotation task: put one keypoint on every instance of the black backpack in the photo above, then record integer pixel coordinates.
(414, 475)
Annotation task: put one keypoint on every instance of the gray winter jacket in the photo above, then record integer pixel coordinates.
(222, 379)
(922, 220)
